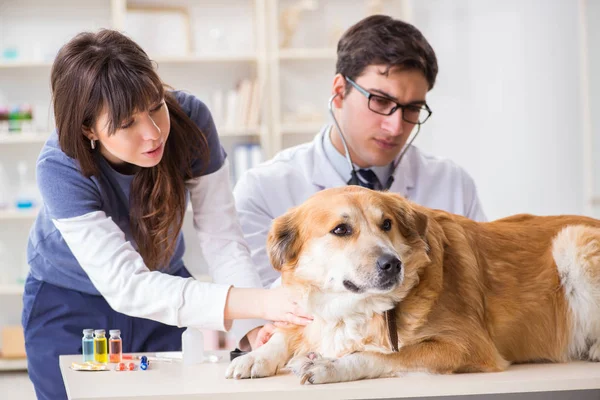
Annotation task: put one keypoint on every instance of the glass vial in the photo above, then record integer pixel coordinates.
(87, 345)
(115, 346)
(26, 191)
(100, 347)
(192, 346)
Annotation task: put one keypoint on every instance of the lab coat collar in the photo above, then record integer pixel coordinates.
(324, 174)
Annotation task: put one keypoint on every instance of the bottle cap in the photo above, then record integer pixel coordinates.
(99, 332)
(114, 332)
(88, 331)
(236, 353)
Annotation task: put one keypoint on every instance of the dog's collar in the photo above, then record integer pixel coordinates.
(392, 328)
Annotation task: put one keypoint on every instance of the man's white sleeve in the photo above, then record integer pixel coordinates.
(473, 208)
(255, 220)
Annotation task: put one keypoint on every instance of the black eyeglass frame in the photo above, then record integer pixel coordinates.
(369, 96)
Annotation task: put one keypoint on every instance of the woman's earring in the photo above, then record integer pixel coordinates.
(93, 143)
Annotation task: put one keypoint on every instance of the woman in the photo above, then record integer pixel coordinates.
(116, 178)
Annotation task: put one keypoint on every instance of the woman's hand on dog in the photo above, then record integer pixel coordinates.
(281, 305)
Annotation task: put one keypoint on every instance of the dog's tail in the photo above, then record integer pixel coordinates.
(576, 251)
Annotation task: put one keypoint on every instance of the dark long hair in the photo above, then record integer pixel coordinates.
(107, 69)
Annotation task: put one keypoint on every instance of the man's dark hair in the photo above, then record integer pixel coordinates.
(380, 39)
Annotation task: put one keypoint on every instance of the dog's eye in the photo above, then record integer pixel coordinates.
(387, 225)
(342, 230)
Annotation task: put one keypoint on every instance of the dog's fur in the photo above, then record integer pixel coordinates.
(468, 296)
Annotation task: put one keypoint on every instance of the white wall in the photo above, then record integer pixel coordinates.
(593, 38)
(507, 100)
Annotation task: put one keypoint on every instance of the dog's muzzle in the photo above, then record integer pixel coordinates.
(388, 270)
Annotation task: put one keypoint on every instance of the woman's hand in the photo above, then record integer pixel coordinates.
(281, 305)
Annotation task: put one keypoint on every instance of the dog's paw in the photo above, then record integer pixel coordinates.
(315, 369)
(251, 365)
(295, 364)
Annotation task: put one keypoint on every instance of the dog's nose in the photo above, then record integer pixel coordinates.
(389, 264)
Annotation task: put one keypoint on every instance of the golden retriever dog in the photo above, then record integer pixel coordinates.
(463, 296)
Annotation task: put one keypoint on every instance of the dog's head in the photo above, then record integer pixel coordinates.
(350, 239)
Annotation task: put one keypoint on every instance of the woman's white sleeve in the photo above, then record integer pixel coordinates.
(118, 272)
(221, 238)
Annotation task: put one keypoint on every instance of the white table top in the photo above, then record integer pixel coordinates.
(177, 381)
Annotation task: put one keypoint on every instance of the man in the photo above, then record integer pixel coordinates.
(385, 68)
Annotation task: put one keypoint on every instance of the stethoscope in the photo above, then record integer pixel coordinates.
(353, 174)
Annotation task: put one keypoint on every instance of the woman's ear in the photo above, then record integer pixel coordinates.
(339, 89)
(88, 133)
(282, 242)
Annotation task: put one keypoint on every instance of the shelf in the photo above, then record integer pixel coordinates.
(11, 289)
(18, 364)
(307, 54)
(190, 59)
(25, 64)
(23, 138)
(232, 132)
(301, 128)
(14, 214)
(208, 58)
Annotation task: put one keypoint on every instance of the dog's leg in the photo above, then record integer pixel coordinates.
(262, 362)
(432, 356)
(594, 352)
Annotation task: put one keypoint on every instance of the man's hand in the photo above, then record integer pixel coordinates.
(261, 334)
(250, 338)
(264, 335)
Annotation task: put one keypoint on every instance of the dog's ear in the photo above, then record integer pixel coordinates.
(421, 223)
(412, 223)
(282, 242)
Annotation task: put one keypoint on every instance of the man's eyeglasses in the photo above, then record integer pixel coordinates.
(411, 113)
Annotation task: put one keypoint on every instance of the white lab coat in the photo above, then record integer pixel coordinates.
(293, 175)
